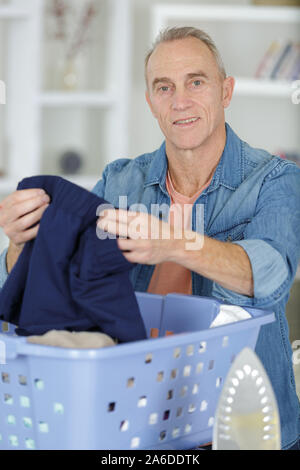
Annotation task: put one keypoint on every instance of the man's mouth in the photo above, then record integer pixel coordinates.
(187, 121)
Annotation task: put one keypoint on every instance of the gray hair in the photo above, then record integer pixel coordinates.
(175, 33)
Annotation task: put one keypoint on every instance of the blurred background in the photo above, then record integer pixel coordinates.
(74, 77)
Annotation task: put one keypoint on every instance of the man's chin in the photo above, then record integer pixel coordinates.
(188, 146)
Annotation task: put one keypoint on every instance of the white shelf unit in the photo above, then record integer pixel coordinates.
(9, 12)
(92, 99)
(243, 34)
(40, 123)
(162, 13)
(267, 88)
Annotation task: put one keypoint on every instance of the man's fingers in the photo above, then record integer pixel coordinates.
(130, 224)
(21, 195)
(131, 257)
(126, 244)
(134, 230)
(23, 237)
(136, 257)
(115, 228)
(23, 223)
(119, 222)
(119, 215)
(19, 228)
(11, 213)
(30, 205)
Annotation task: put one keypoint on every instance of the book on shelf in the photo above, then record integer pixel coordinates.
(295, 74)
(266, 64)
(281, 61)
(290, 64)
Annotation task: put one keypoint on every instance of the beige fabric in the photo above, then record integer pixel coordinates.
(74, 339)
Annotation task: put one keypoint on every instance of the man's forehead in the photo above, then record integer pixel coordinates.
(178, 55)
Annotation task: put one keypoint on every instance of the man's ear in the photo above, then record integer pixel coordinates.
(149, 102)
(228, 87)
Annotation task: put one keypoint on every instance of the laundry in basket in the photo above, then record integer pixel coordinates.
(158, 393)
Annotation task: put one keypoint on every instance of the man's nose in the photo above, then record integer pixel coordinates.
(180, 100)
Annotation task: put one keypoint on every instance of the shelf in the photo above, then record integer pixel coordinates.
(12, 13)
(91, 99)
(7, 185)
(163, 13)
(87, 182)
(255, 87)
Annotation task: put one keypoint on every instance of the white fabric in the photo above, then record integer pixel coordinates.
(229, 314)
(74, 339)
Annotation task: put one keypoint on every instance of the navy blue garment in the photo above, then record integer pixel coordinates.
(67, 277)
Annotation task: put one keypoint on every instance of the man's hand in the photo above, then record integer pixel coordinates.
(145, 239)
(20, 213)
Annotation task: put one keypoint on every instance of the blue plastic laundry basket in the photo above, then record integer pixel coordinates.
(158, 393)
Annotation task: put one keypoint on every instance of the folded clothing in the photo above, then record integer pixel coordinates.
(229, 314)
(68, 278)
(73, 339)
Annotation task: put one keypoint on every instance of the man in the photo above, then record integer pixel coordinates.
(250, 249)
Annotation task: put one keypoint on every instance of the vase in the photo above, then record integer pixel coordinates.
(70, 78)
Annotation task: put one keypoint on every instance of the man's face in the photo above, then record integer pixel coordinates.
(186, 93)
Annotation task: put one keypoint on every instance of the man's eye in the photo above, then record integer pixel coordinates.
(197, 82)
(164, 88)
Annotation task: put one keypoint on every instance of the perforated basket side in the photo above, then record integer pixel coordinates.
(153, 394)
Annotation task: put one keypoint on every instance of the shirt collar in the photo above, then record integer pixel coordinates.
(229, 171)
(158, 168)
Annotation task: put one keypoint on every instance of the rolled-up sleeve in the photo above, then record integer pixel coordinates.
(271, 240)
(269, 269)
(3, 268)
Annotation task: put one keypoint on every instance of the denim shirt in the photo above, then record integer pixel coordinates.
(253, 200)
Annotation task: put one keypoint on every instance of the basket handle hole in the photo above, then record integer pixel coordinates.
(111, 406)
(124, 425)
(58, 408)
(153, 418)
(203, 405)
(5, 377)
(142, 401)
(130, 382)
(22, 380)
